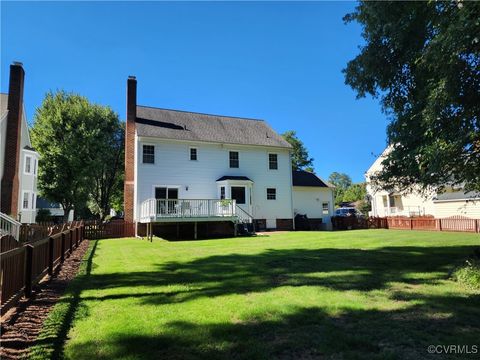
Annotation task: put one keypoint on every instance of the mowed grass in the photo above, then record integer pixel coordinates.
(365, 294)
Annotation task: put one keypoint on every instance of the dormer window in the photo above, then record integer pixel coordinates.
(148, 154)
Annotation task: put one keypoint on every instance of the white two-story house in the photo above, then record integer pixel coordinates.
(18, 160)
(452, 202)
(204, 170)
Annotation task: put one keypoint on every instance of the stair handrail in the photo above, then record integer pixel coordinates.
(9, 226)
(243, 216)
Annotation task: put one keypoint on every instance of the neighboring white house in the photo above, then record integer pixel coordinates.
(18, 160)
(313, 197)
(55, 209)
(191, 167)
(451, 202)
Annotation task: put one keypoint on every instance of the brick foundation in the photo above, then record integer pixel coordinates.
(284, 224)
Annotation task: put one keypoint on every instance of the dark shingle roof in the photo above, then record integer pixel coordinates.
(184, 125)
(305, 178)
(457, 196)
(229, 177)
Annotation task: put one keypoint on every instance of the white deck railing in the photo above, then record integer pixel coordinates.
(157, 209)
(9, 226)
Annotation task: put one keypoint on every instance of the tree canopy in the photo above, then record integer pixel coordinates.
(422, 60)
(80, 145)
(301, 160)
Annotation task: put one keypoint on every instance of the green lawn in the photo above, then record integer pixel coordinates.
(369, 294)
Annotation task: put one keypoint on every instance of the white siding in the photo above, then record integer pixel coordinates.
(469, 209)
(27, 182)
(308, 201)
(173, 167)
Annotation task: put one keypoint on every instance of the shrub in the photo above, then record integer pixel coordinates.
(469, 273)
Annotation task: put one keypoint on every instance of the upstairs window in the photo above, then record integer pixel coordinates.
(148, 154)
(273, 161)
(35, 167)
(234, 162)
(26, 197)
(28, 164)
(271, 194)
(193, 154)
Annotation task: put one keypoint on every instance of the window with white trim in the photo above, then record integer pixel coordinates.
(222, 192)
(273, 161)
(193, 154)
(234, 159)
(148, 154)
(35, 162)
(26, 199)
(271, 194)
(325, 208)
(28, 164)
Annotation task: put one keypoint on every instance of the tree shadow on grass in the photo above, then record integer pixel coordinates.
(304, 333)
(337, 269)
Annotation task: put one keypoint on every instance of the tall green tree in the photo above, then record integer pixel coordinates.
(422, 60)
(341, 182)
(79, 147)
(300, 157)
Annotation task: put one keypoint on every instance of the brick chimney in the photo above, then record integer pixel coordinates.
(10, 182)
(128, 201)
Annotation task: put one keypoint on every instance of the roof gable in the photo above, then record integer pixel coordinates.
(184, 125)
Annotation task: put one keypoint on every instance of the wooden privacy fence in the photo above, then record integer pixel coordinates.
(23, 267)
(461, 224)
(115, 229)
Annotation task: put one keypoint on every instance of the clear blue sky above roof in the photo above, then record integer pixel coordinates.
(280, 62)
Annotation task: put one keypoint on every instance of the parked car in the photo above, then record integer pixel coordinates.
(348, 211)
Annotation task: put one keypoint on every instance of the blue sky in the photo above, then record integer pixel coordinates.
(280, 62)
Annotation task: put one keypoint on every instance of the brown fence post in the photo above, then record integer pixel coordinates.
(50, 256)
(76, 237)
(28, 270)
(62, 255)
(439, 224)
(477, 227)
(411, 224)
(70, 232)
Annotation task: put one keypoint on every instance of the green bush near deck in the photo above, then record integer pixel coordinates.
(365, 294)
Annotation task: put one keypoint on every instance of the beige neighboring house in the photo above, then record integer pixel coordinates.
(451, 202)
(18, 160)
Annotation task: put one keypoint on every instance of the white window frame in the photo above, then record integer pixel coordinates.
(190, 153)
(328, 208)
(27, 193)
(30, 171)
(229, 163)
(154, 154)
(35, 166)
(266, 193)
(268, 161)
